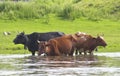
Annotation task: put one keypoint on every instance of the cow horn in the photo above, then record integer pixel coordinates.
(23, 32)
(38, 41)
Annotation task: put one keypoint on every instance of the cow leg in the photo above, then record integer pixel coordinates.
(57, 53)
(80, 52)
(33, 53)
(91, 52)
(56, 50)
(85, 52)
(39, 53)
(25, 47)
(96, 49)
(76, 52)
(71, 53)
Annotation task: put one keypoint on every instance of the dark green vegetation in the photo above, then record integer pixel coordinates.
(72, 9)
(90, 16)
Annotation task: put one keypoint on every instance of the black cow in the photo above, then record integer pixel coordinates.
(30, 40)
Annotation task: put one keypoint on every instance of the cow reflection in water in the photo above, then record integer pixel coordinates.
(62, 61)
(68, 58)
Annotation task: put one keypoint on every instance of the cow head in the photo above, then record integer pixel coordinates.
(46, 47)
(100, 41)
(42, 47)
(21, 38)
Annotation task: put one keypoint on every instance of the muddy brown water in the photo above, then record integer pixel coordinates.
(101, 64)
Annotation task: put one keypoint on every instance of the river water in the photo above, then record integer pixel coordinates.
(101, 64)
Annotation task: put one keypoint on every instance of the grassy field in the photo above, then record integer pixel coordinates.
(110, 29)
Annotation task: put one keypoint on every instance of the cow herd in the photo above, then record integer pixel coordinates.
(59, 43)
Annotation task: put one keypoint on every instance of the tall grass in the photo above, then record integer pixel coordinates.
(22, 10)
(72, 9)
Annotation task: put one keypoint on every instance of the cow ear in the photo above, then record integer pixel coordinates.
(22, 33)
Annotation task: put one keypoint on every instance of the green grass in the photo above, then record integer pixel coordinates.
(110, 29)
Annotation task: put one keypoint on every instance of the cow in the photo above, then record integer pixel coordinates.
(91, 44)
(30, 40)
(84, 37)
(64, 45)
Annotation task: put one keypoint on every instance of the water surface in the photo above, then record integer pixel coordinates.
(101, 64)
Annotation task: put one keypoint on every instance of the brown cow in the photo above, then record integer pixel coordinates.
(64, 45)
(91, 43)
(84, 37)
